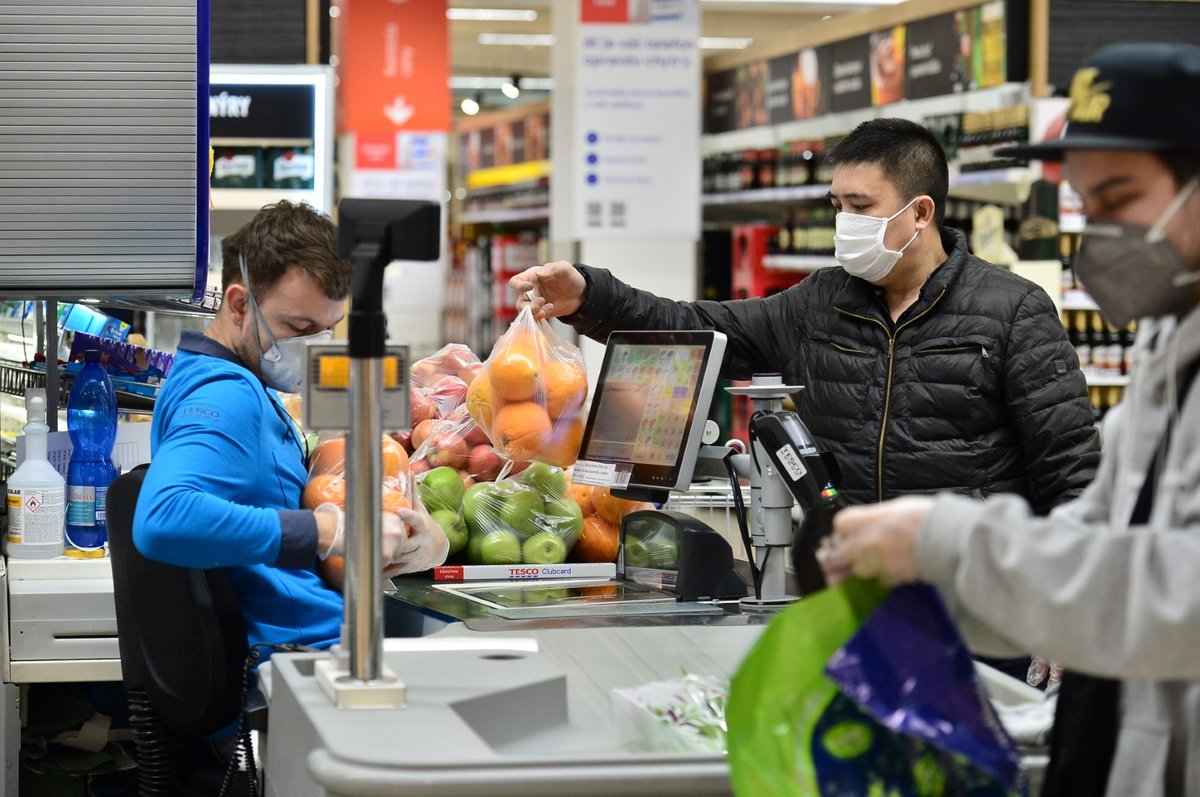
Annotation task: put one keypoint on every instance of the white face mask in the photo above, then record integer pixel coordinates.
(858, 244)
(281, 365)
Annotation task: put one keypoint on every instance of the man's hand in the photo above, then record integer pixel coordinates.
(424, 544)
(331, 525)
(557, 289)
(877, 541)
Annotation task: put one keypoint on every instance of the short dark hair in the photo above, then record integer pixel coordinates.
(909, 155)
(281, 236)
(1183, 164)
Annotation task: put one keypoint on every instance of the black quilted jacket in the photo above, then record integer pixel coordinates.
(975, 389)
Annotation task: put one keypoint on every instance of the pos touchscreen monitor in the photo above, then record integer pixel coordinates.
(648, 411)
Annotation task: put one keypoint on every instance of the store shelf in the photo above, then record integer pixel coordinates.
(805, 263)
(1103, 380)
(255, 198)
(16, 378)
(504, 215)
(790, 193)
(1004, 186)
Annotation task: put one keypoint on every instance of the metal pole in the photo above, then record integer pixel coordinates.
(51, 354)
(364, 594)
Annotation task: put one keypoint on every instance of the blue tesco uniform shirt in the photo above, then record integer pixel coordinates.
(223, 490)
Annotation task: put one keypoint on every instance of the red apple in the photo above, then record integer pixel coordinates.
(449, 392)
(421, 433)
(450, 449)
(477, 437)
(404, 438)
(469, 372)
(484, 463)
(418, 466)
(424, 373)
(421, 407)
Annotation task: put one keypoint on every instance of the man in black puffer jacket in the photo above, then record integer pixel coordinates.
(930, 370)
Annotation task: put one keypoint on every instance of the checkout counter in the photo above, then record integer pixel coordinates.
(507, 687)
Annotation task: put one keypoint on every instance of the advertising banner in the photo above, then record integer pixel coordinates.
(637, 119)
(945, 54)
(395, 74)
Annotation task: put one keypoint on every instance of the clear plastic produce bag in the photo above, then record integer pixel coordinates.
(526, 518)
(529, 398)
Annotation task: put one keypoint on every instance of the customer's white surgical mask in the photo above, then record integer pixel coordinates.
(282, 364)
(859, 248)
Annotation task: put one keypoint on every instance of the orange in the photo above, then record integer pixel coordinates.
(329, 457)
(394, 500)
(598, 542)
(521, 430)
(395, 459)
(333, 572)
(325, 487)
(562, 449)
(514, 369)
(611, 508)
(565, 386)
(480, 401)
(582, 493)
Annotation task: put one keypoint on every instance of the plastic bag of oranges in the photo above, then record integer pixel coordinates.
(327, 484)
(438, 383)
(529, 398)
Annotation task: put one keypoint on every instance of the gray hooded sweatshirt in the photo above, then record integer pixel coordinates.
(1088, 591)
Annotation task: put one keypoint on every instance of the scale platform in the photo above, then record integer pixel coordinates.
(566, 598)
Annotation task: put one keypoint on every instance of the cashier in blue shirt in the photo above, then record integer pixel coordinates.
(228, 464)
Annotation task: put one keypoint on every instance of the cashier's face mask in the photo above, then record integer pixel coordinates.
(1132, 271)
(859, 248)
(282, 364)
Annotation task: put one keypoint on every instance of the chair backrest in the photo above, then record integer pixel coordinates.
(181, 633)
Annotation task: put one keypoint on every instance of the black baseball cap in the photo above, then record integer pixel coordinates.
(1130, 96)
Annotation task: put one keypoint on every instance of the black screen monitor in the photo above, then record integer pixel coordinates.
(647, 418)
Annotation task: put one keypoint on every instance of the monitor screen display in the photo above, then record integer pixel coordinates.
(650, 405)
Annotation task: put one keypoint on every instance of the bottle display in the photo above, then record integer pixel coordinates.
(36, 492)
(92, 424)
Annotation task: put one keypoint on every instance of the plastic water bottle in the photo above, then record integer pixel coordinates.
(92, 424)
(36, 492)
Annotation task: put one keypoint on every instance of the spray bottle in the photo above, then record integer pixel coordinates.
(37, 506)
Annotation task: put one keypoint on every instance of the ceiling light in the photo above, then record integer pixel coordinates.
(469, 106)
(477, 82)
(518, 39)
(511, 88)
(491, 14)
(724, 43)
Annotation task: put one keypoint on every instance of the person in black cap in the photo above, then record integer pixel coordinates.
(1108, 584)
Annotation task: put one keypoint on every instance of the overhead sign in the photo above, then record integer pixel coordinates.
(261, 111)
(637, 119)
(394, 65)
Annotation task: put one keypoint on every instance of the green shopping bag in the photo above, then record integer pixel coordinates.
(781, 691)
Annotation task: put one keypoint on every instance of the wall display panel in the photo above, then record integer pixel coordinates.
(260, 31)
(103, 148)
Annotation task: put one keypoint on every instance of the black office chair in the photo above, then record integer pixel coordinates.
(183, 646)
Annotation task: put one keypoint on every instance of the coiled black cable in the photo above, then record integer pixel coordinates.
(151, 740)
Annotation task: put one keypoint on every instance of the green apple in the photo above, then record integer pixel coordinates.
(454, 526)
(540, 597)
(500, 547)
(481, 506)
(564, 518)
(522, 510)
(544, 548)
(548, 480)
(636, 554)
(442, 488)
(474, 550)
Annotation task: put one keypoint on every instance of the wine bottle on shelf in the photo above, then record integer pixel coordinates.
(1128, 335)
(1080, 340)
(1067, 256)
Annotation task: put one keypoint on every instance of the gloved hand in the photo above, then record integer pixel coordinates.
(398, 540)
(421, 546)
(1039, 669)
(338, 543)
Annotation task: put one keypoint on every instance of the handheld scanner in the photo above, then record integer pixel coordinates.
(810, 474)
